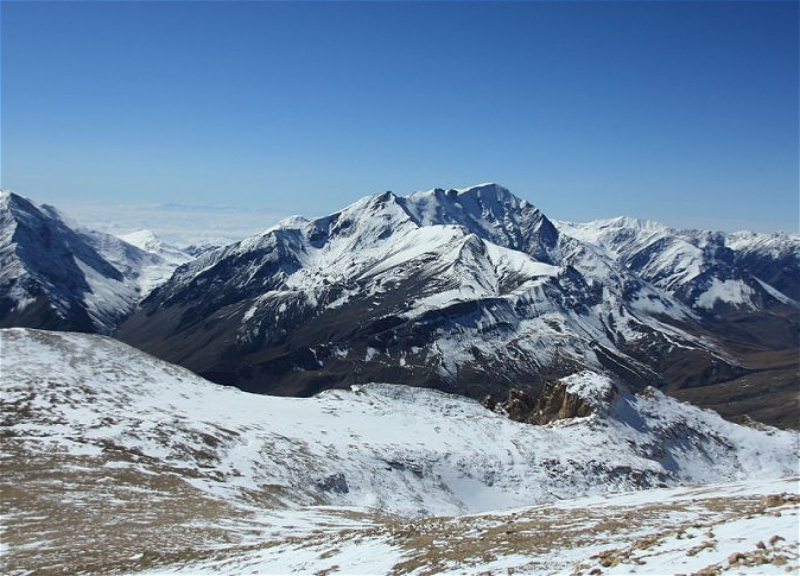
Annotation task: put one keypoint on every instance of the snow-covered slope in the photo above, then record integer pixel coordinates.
(56, 274)
(471, 291)
(405, 450)
(170, 257)
(705, 270)
(740, 528)
(149, 242)
(152, 459)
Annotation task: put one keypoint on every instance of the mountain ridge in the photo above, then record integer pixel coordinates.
(448, 444)
(454, 289)
(167, 472)
(472, 291)
(57, 274)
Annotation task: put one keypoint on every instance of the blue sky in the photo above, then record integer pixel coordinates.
(683, 112)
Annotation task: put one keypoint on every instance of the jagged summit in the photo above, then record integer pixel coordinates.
(491, 212)
(56, 274)
(468, 290)
(9, 196)
(489, 192)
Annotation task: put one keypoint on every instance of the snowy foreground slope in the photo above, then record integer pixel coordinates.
(735, 528)
(158, 469)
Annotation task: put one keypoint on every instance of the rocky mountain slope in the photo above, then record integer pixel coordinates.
(56, 274)
(474, 291)
(706, 270)
(160, 469)
(743, 288)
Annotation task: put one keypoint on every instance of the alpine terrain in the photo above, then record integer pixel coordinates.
(476, 292)
(114, 461)
(56, 274)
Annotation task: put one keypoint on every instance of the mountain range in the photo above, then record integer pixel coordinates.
(57, 274)
(491, 391)
(165, 472)
(474, 292)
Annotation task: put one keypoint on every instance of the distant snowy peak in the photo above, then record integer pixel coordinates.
(775, 241)
(704, 269)
(148, 241)
(144, 239)
(57, 274)
(624, 229)
(606, 231)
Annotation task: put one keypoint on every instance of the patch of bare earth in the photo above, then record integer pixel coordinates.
(539, 533)
(71, 514)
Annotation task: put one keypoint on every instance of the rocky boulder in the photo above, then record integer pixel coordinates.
(572, 397)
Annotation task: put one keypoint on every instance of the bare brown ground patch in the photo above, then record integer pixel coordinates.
(70, 514)
(436, 544)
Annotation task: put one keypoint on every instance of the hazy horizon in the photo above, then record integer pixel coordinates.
(185, 224)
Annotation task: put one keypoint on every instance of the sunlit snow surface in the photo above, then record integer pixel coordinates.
(45, 254)
(92, 423)
(672, 259)
(725, 527)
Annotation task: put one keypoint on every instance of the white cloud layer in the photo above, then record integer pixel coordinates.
(177, 224)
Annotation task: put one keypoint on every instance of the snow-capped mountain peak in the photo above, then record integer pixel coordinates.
(58, 274)
(144, 239)
(148, 241)
(491, 212)
(469, 290)
(706, 270)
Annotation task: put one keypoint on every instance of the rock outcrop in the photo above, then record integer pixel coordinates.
(567, 398)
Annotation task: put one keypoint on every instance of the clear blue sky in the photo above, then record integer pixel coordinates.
(683, 112)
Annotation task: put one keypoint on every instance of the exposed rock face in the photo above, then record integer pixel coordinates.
(474, 292)
(559, 400)
(520, 405)
(334, 483)
(55, 274)
(557, 403)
